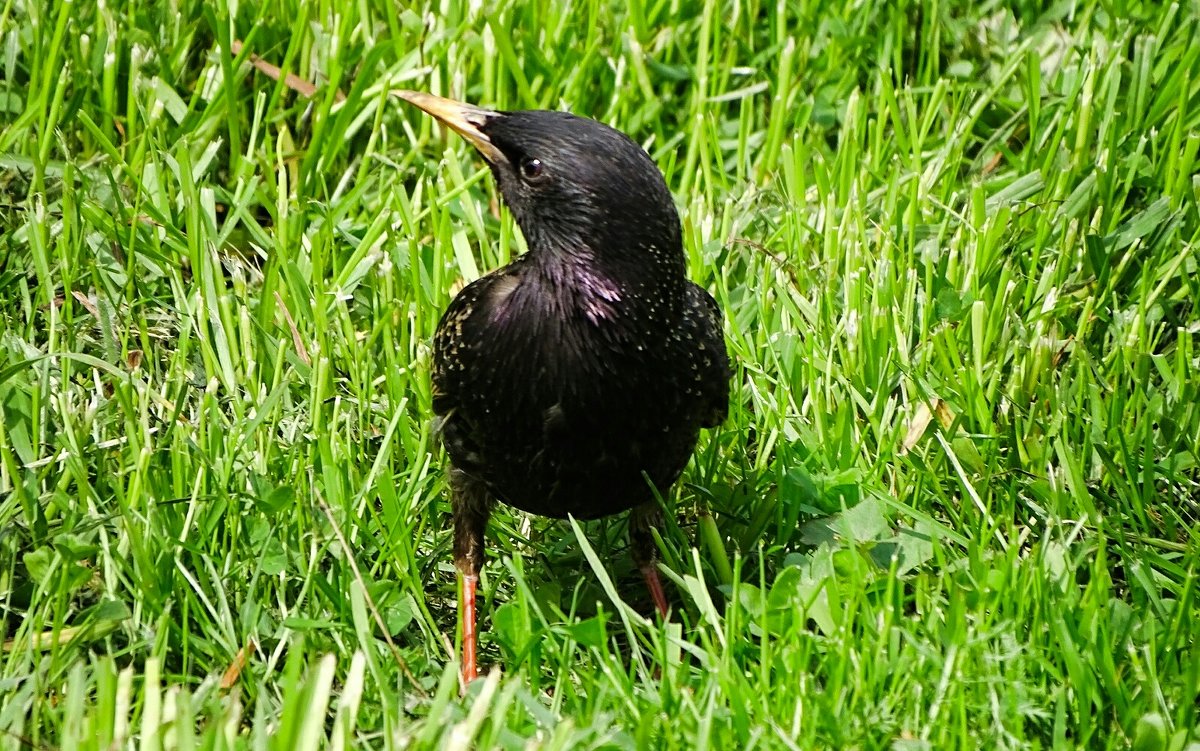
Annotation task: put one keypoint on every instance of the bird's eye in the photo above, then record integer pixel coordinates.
(531, 168)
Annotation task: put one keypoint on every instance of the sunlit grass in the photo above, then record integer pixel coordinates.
(956, 501)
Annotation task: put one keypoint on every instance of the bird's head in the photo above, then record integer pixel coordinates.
(574, 185)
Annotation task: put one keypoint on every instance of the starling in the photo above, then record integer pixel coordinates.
(574, 380)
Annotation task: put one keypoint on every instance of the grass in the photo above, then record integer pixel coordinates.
(956, 503)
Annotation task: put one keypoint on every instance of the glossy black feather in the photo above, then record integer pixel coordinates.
(567, 378)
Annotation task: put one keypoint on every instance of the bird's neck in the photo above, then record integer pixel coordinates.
(607, 287)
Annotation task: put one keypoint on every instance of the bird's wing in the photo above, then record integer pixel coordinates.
(450, 378)
(714, 358)
(451, 342)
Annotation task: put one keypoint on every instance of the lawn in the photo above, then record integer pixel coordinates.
(957, 500)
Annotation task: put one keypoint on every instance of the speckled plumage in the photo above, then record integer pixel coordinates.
(568, 378)
(558, 407)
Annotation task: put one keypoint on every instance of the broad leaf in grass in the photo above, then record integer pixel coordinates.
(590, 632)
(800, 593)
(513, 629)
(864, 522)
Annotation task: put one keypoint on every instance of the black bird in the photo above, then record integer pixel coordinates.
(574, 380)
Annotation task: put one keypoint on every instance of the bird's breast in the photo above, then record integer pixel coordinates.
(568, 389)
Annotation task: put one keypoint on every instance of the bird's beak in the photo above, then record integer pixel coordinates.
(465, 119)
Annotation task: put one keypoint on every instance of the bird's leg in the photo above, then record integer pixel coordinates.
(471, 506)
(642, 519)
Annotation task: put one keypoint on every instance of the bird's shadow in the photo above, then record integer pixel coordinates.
(554, 562)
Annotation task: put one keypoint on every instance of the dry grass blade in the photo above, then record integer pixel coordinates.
(297, 341)
(234, 671)
(275, 73)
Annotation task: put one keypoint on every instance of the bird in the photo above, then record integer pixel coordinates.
(575, 380)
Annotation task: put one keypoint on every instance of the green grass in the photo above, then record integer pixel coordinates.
(957, 501)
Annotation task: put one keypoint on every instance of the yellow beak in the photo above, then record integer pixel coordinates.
(465, 119)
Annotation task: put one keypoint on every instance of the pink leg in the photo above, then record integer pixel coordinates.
(469, 501)
(642, 520)
(650, 572)
(469, 668)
